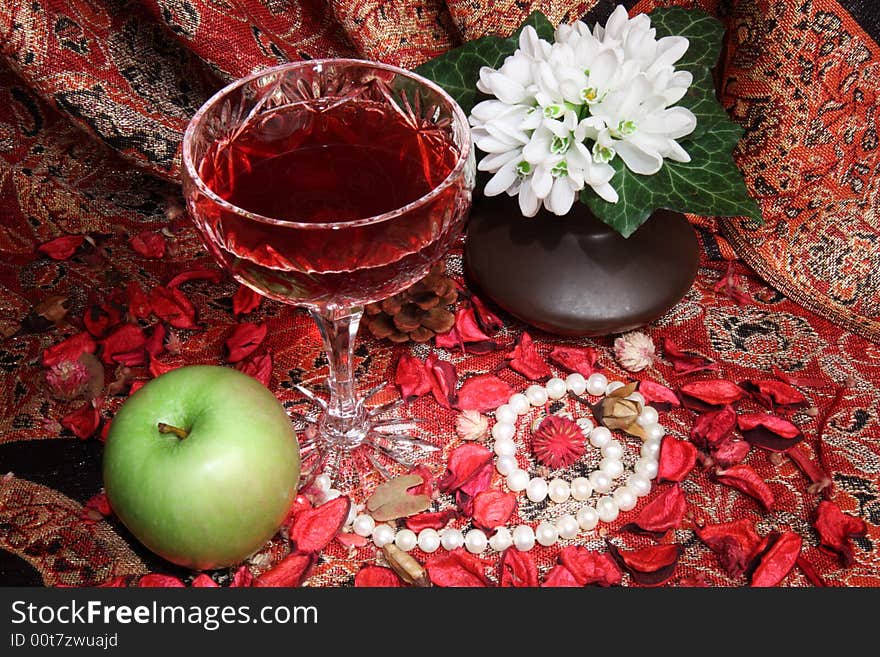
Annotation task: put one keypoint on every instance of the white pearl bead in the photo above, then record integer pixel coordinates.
(352, 514)
(585, 425)
(581, 489)
(406, 539)
(363, 525)
(626, 498)
(596, 384)
(322, 483)
(501, 539)
(505, 465)
(647, 467)
(614, 385)
(331, 494)
(537, 395)
(599, 437)
(429, 540)
(559, 490)
(600, 480)
(637, 397)
(567, 526)
(655, 431)
(613, 450)
(451, 539)
(519, 403)
(556, 388)
(639, 484)
(587, 518)
(607, 509)
(650, 449)
(612, 467)
(648, 416)
(546, 534)
(576, 383)
(475, 541)
(537, 489)
(524, 538)
(518, 480)
(504, 447)
(503, 431)
(505, 414)
(383, 535)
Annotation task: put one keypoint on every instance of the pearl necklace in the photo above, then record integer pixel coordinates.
(607, 508)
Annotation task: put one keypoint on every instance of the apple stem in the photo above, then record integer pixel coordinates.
(177, 431)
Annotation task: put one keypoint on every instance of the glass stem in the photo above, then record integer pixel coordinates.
(345, 419)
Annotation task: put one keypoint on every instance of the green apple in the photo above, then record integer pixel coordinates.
(202, 465)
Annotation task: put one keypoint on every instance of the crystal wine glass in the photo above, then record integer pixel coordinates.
(330, 184)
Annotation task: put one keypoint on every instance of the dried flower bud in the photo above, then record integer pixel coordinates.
(472, 425)
(68, 379)
(634, 351)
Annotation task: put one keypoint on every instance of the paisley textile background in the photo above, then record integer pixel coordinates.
(94, 96)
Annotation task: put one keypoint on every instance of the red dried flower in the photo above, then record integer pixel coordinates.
(69, 349)
(245, 300)
(376, 576)
(773, 392)
(149, 244)
(493, 508)
(138, 301)
(778, 559)
(313, 530)
(292, 570)
(97, 508)
(714, 392)
(558, 442)
(588, 567)
(83, 422)
(836, 530)
(245, 339)
(443, 379)
(258, 366)
(61, 248)
(483, 392)
(171, 305)
(658, 395)
(412, 377)
(560, 576)
(746, 480)
(155, 580)
(199, 274)
(526, 360)
(68, 379)
(736, 544)
(676, 460)
(430, 520)
(125, 345)
(685, 362)
(650, 566)
(769, 431)
(517, 569)
(713, 428)
(457, 568)
(663, 513)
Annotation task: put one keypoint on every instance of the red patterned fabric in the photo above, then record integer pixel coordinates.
(93, 99)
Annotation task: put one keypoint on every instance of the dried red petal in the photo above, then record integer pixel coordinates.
(149, 244)
(650, 566)
(312, 530)
(770, 393)
(258, 366)
(488, 321)
(575, 359)
(70, 349)
(83, 422)
(457, 568)
(743, 478)
(493, 508)
(352, 540)
(482, 479)
(590, 567)
(243, 578)
(138, 301)
(61, 248)
(443, 379)
(836, 531)
(558, 442)
(125, 345)
(99, 318)
(713, 392)
(245, 301)
(158, 368)
(731, 452)
(483, 392)
(736, 544)
(713, 428)
(412, 377)
(429, 483)
(778, 560)
(769, 431)
(118, 582)
(135, 386)
(559, 576)
(245, 339)
(731, 286)
(526, 360)
(198, 274)
(292, 570)
(659, 396)
(154, 580)
(377, 577)
(430, 520)
(171, 305)
(469, 333)
(811, 572)
(464, 462)
(676, 460)
(663, 513)
(204, 581)
(97, 508)
(517, 569)
(155, 344)
(686, 362)
(820, 480)
(802, 381)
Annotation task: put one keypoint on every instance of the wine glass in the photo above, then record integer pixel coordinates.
(329, 184)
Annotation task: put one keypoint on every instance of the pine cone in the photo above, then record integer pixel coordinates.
(418, 313)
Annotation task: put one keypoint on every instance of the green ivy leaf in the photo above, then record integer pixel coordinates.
(702, 30)
(458, 70)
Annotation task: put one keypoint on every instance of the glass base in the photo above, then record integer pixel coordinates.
(351, 448)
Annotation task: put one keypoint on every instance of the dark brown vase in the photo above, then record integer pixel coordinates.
(574, 275)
